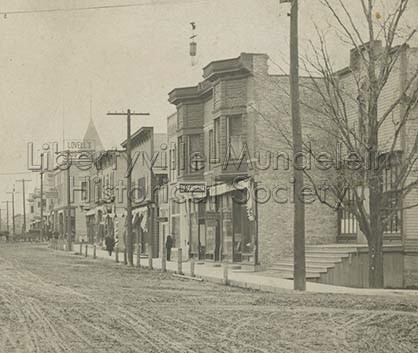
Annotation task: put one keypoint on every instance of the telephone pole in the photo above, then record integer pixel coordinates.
(13, 210)
(129, 237)
(41, 232)
(299, 272)
(1, 220)
(69, 226)
(7, 214)
(23, 181)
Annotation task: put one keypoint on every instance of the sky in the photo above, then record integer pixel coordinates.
(59, 68)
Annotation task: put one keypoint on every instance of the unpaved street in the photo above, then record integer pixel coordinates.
(56, 302)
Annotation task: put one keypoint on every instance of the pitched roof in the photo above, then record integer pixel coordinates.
(92, 135)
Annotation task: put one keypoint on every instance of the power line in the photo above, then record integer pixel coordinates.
(99, 7)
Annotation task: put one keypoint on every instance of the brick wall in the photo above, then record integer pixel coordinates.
(270, 120)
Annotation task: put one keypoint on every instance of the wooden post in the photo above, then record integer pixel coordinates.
(138, 255)
(299, 282)
(192, 263)
(225, 275)
(179, 261)
(81, 248)
(164, 260)
(117, 254)
(150, 259)
(129, 238)
(24, 203)
(86, 250)
(125, 256)
(94, 251)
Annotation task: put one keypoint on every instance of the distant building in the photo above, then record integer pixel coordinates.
(19, 222)
(149, 176)
(83, 154)
(34, 201)
(106, 212)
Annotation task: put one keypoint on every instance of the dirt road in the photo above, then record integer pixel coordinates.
(56, 302)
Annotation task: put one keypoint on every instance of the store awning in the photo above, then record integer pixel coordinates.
(220, 189)
(91, 212)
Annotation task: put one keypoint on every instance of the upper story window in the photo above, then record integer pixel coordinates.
(195, 155)
(84, 194)
(211, 149)
(234, 135)
(172, 164)
(181, 155)
(190, 156)
(217, 138)
(142, 187)
(98, 188)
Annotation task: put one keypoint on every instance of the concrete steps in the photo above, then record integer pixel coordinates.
(319, 259)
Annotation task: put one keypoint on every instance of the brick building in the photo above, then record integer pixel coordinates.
(225, 126)
(231, 132)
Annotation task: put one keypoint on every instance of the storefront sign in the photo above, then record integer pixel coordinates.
(196, 189)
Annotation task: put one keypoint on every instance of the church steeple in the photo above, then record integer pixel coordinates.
(92, 137)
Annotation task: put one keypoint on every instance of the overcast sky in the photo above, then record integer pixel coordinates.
(51, 63)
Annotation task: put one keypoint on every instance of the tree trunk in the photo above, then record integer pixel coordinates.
(376, 275)
(375, 236)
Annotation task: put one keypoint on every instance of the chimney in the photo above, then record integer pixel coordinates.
(355, 53)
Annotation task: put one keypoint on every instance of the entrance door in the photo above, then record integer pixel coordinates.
(239, 224)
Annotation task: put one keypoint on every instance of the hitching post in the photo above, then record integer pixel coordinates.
(192, 263)
(179, 261)
(164, 260)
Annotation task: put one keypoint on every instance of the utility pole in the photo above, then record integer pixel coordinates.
(129, 238)
(24, 202)
(7, 214)
(13, 210)
(41, 233)
(299, 272)
(1, 220)
(69, 226)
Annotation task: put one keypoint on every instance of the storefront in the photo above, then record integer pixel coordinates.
(141, 233)
(223, 225)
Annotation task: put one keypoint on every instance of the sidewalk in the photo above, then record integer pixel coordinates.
(245, 279)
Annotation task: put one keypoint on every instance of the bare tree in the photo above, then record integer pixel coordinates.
(373, 127)
(370, 111)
